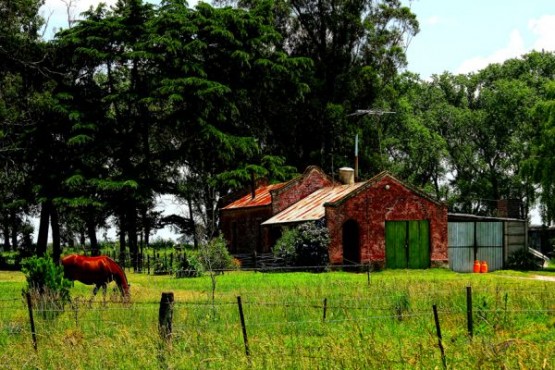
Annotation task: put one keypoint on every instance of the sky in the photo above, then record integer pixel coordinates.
(465, 36)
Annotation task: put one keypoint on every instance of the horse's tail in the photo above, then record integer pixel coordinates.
(119, 277)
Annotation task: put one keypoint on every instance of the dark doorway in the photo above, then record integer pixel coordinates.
(351, 244)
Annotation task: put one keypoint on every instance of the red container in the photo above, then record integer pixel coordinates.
(477, 266)
(484, 267)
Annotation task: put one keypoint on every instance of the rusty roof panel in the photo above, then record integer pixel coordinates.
(312, 207)
(262, 198)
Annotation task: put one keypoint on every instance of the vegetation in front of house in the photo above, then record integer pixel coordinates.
(382, 322)
(304, 245)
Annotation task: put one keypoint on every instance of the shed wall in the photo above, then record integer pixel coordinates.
(385, 200)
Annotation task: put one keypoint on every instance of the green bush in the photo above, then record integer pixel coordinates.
(306, 245)
(522, 260)
(190, 266)
(284, 250)
(214, 255)
(46, 284)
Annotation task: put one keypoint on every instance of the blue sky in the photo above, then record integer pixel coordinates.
(465, 36)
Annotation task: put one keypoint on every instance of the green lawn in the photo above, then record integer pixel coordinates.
(382, 320)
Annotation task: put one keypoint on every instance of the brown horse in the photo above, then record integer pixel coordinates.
(100, 271)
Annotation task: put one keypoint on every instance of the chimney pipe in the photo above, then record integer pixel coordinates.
(347, 175)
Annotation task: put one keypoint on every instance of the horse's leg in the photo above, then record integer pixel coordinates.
(104, 289)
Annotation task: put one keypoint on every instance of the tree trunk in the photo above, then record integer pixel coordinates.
(44, 224)
(56, 242)
(122, 243)
(91, 230)
(132, 234)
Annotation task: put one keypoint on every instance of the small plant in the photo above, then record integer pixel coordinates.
(215, 256)
(401, 305)
(46, 284)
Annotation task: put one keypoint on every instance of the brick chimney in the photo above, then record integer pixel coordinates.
(510, 208)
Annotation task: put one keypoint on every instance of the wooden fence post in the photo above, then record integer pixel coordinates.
(32, 320)
(325, 308)
(439, 339)
(469, 315)
(165, 315)
(243, 326)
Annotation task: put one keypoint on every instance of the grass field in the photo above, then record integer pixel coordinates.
(334, 320)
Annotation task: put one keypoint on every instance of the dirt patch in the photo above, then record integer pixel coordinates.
(545, 278)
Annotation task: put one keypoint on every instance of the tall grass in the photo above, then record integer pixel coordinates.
(384, 322)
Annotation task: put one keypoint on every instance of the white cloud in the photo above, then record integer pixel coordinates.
(544, 28)
(515, 48)
(433, 20)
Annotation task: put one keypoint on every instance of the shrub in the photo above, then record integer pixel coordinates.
(190, 266)
(312, 245)
(524, 261)
(284, 250)
(306, 245)
(46, 284)
(214, 255)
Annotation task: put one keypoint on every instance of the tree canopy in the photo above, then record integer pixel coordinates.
(138, 100)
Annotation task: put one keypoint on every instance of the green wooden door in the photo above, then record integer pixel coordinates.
(407, 244)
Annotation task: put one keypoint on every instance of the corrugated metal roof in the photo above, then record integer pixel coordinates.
(312, 207)
(262, 197)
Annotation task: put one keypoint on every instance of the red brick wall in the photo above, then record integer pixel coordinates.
(385, 200)
(249, 236)
(312, 180)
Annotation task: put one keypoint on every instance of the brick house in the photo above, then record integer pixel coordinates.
(240, 220)
(382, 221)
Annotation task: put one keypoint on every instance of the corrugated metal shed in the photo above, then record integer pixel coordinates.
(262, 198)
(312, 207)
(490, 239)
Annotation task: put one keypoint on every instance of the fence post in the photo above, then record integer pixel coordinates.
(148, 264)
(469, 315)
(165, 315)
(32, 320)
(245, 338)
(439, 339)
(368, 273)
(325, 308)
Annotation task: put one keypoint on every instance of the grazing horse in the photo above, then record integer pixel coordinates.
(99, 271)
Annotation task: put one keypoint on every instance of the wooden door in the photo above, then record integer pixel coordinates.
(407, 244)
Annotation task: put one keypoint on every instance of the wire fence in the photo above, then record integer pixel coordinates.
(290, 327)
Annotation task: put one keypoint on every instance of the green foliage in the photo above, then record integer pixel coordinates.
(46, 284)
(161, 244)
(305, 245)
(524, 261)
(190, 266)
(312, 245)
(284, 249)
(214, 255)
